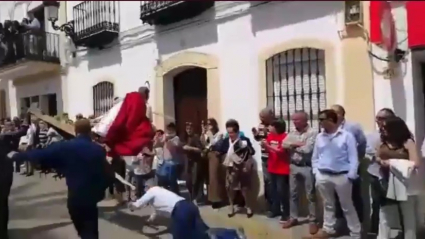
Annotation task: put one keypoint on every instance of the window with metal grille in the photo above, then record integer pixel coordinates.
(103, 97)
(296, 81)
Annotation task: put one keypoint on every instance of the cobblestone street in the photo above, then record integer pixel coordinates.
(38, 211)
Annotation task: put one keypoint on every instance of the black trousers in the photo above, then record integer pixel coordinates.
(5, 186)
(85, 220)
(279, 189)
(357, 201)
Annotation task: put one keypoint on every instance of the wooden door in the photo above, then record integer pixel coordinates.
(190, 98)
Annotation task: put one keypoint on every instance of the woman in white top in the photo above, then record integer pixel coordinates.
(216, 171)
(32, 139)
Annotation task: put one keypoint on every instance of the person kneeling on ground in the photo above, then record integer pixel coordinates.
(185, 216)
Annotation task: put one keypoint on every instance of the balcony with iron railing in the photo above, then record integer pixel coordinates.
(167, 12)
(96, 23)
(29, 53)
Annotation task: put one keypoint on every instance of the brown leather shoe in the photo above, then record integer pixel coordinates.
(321, 235)
(290, 223)
(313, 228)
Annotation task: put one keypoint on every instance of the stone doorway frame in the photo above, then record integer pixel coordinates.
(166, 70)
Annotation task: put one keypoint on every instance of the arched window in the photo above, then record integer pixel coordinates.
(296, 81)
(103, 97)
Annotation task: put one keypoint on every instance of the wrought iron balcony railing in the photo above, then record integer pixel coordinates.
(96, 23)
(166, 12)
(39, 46)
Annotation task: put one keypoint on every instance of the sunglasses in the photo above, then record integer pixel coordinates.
(380, 118)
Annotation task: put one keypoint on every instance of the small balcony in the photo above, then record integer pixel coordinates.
(29, 53)
(167, 12)
(96, 23)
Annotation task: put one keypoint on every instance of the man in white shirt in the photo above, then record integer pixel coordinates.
(185, 217)
(34, 23)
(33, 26)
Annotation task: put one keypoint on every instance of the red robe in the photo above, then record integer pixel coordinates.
(131, 130)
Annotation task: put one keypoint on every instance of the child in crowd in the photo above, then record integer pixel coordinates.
(278, 168)
(169, 163)
(142, 171)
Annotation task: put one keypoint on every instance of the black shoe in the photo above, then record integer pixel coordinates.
(249, 215)
(283, 219)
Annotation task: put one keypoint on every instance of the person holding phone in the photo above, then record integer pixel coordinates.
(260, 135)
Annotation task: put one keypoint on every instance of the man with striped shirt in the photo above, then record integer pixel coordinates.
(42, 135)
(260, 134)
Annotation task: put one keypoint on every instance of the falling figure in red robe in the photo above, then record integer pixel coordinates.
(131, 130)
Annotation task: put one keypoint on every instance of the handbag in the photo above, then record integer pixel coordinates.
(380, 188)
(232, 156)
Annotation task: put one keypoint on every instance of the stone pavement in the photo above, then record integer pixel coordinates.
(38, 211)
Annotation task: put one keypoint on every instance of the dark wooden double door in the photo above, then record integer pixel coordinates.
(190, 98)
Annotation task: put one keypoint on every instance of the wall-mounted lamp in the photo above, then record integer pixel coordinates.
(52, 15)
(148, 85)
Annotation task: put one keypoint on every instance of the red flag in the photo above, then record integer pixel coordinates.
(131, 130)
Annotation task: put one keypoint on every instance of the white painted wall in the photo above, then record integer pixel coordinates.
(17, 10)
(403, 92)
(234, 32)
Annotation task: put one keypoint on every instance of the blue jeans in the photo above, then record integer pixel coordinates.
(187, 222)
(279, 185)
(170, 182)
(267, 186)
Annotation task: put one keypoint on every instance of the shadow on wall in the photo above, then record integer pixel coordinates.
(99, 58)
(397, 91)
(187, 34)
(271, 15)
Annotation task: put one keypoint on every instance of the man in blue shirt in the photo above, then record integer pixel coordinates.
(335, 164)
(357, 131)
(87, 173)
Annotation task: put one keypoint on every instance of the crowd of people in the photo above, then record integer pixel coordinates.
(19, 38)
(328, 160)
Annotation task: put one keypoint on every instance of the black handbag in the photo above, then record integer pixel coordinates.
(379, 187)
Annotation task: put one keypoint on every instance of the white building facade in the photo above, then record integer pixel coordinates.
(238, 46)
(31, 76)
(228, 61)
(403, 91)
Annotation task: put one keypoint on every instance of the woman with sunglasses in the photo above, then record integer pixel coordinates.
(396, 143)
(374, 139)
